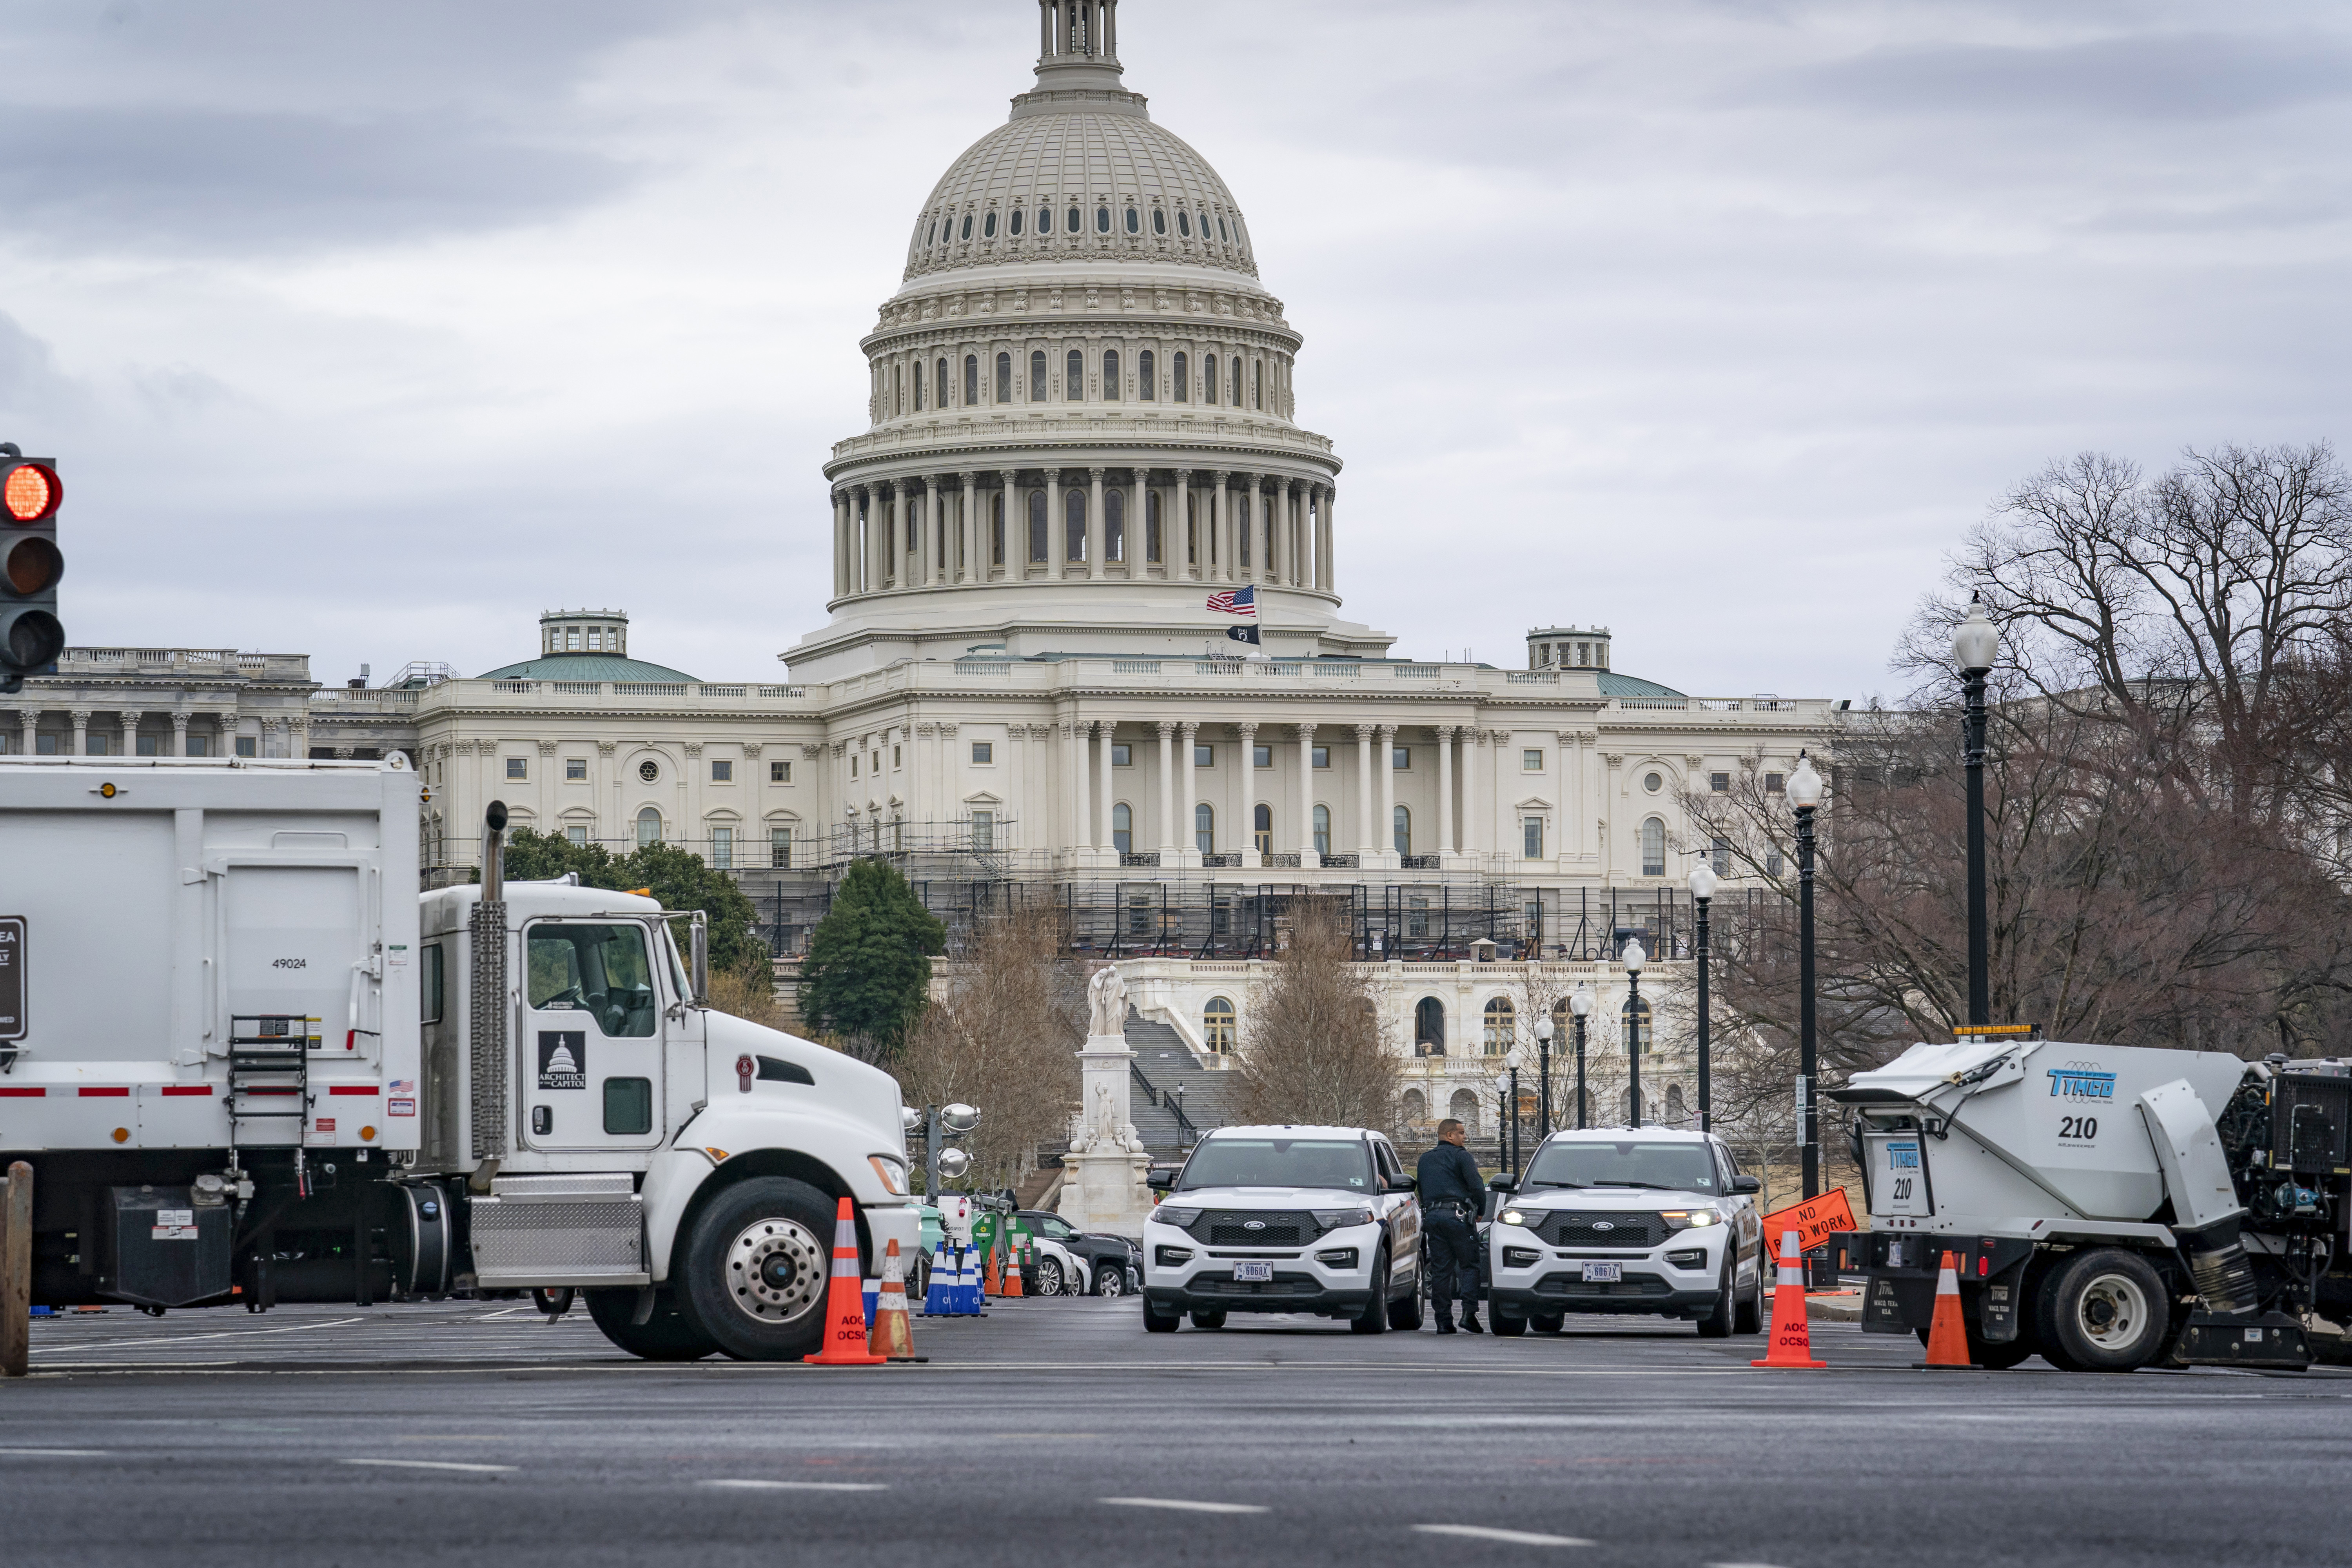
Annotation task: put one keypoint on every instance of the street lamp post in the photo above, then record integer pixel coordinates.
(1634, 958)
(1579, 1002)
(1543, 1077)
(1702, 887)
(1805, 796)
(1973, 647)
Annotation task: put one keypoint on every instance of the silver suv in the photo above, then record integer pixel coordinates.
(1650, 1220)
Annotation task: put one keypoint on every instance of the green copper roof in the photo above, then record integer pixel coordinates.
(585, 667)
(1615, 685)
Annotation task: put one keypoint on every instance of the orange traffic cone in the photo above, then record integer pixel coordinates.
(1792, 1344)
(992, 1280)
(1011, 1268)
(844, 1300)
(890, 1338)
(1948, 1334)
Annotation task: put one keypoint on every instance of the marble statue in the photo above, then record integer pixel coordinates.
(1107, 1003)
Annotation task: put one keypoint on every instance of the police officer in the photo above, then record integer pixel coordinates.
(1452, 1193)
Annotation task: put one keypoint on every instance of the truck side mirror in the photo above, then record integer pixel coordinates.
(1502, 1184)
(1746, 1185)
(701, 959)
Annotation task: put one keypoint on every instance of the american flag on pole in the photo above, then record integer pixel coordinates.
(1235, 600)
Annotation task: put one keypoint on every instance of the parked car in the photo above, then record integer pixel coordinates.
(1103, 1265)
(1643, 1220)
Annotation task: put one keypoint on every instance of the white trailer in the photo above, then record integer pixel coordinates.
(251, 1064)
(2108, 1206)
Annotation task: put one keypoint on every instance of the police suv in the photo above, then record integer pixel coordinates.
(1284, 1219)
(1649, 1220)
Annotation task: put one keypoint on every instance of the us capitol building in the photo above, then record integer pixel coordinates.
(1083, 421)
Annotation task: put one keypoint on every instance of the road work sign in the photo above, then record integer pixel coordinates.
(1815, 1220)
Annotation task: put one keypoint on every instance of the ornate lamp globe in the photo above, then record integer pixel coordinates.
(1633, 957)
(1976, 640)
(1804, 785)
(1580, 1001)
(1702, 880)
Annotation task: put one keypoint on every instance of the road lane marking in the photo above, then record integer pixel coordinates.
(54, 1453)
(1184, 1504)
(188, 1338)
(804, 1485)
(1509, 1537)
(1738, 1565)
(436, 1465)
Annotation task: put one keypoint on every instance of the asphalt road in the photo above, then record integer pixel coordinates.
(1056, 1429)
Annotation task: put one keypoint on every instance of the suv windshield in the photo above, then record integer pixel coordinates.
(1675, 1167)
(1280, 1162)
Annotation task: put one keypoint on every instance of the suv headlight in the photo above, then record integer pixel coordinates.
(1690, 1219)
(1333, 1219)
(1514, 1217)
(1180, 1219)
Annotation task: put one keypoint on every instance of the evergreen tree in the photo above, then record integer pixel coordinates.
(678, 878)
(868, 969)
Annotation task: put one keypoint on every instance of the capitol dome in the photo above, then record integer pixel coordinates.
(1083, 428)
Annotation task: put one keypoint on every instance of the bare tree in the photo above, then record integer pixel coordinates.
(1313, 1049)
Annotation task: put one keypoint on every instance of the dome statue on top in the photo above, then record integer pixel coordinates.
(1082, 405)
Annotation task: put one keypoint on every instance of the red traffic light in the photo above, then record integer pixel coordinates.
(30, 492)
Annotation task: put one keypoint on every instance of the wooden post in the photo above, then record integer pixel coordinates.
(16, 1271)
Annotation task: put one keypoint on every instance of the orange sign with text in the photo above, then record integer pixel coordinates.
(1815, 1220)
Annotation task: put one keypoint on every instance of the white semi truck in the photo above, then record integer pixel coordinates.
(249, 1064)
(2110, 1207)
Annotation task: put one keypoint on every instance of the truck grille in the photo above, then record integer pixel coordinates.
(1230, 1227)
(1569, 1227)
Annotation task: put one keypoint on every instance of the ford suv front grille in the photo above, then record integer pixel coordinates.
(1250, 1227)
(1573, 1227)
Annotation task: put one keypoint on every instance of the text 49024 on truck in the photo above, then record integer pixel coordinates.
(249, 1063)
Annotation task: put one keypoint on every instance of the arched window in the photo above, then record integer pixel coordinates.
(1402, 828)
(918, 386)
(1415, 1105)
(1629, 1016)
(1217, 1026)
(940, 384)
(988, 227)
(1257, 384)
(1111, 375)
(1184, 222)
(1072, 222)
(1073, 378)
(1037, 376)
(1073, 508)
(971, 380)
(898, 388)
(1038, 527)
(1122, 828)
(1114, 525)
(1322, 830)
(1235, 397)
(967, 226)
(1265, 828)
(1429, 1027)
(1159, 222)
(1134, 222)
(932, 238)
(649, 827)
(1018, 214)
(1145, 388)
(1502, 1027)
(1223, 237)
(1177, 382)
(996, 531)
(1654, 847)
(1676, 1110)
(1151, 527)
(1102, 220)
(1208, 378)
(1204, 829)
(1464, 1108)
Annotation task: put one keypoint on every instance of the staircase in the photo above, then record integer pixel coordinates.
(1163, 1065)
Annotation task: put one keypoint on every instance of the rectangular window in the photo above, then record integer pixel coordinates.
(147, 747)
(779, 772)
(780, 848)
(1720, 854)
(1531, 761)
(247, 746)
(853, 765)
(1773, 864)
(723, 848)
(1400, 759)
(898, 757)
(723, 770)
(983, 832)
(1261, 756)
(1322, 755)
(1204, 756)
(429, 982)
(200, 745)
(1719, 783)
(1773, 784)
(518, 767)
(578, 833)
(628, 1106)
(1122, 755)
(575, 769)
(1531, 837)
(95, 744)
(46, 746)
(983, 754)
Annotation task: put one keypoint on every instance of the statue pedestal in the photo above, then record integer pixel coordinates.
(1104, 1187)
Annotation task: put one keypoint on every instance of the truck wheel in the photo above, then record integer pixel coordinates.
(1156, 1322)
(668, 1335)
(1374, 1318)
(2101, 1310)
(1714, 1323)
(756, 1266)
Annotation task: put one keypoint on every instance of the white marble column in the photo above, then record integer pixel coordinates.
(1016, 531)
(28, 727)
(1384, 831)
(1220, 544)
(80, 717)
(1188, 540)
(1366, 842)
(1244, 815)
(1445, 789)
(1058, 528)
(179, 734)
(899, 572)
(1104, 730)
(1168, 845)
(1305, 735)
(841, 515)
(1187, 844)
(935, 549)
(130, 717)
(974, 566)
(1074, 815)
(1330, 538)
(1097, 534)
(1474, 817)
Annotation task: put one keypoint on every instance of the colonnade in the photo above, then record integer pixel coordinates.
(116, 732)
(968, 526)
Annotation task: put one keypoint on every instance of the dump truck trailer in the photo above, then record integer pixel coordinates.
(2107, 1206)
(250, 1063)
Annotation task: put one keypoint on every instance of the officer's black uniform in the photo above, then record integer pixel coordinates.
(1452, 1193)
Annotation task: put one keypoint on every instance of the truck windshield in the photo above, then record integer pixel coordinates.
(600, 970)
(1675, 1167)
(1280, 1162)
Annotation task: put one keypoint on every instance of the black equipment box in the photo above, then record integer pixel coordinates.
(165, 1251)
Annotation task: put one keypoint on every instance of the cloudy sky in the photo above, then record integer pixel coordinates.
(371, 332)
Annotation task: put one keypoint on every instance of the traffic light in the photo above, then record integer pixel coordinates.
(30, 636)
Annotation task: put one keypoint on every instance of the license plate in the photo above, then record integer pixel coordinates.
(1246, 1272)
(1603, 1273)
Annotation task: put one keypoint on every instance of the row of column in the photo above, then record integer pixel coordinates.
(29, 723)
(1090, 787)
(935, 531)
